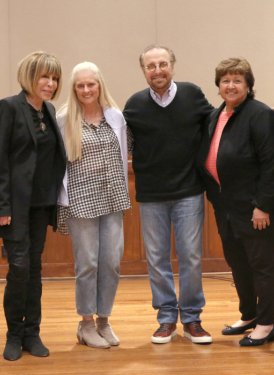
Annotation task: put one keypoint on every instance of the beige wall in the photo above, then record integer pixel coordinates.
(112, 33)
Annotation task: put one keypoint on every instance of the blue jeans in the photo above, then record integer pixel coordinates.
(186, 216)
(98, 246)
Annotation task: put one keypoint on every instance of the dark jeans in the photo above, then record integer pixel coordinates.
(22, 297)
(251, 259)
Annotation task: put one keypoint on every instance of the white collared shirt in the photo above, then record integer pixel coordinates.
(168, 96)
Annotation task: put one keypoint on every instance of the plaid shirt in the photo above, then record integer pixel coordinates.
(96, 183)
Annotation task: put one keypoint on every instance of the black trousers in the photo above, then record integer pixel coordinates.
(22, 297)
(251, 258)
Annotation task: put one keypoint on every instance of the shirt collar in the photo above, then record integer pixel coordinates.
(168, 93)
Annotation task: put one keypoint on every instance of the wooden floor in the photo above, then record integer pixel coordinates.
(134, 321)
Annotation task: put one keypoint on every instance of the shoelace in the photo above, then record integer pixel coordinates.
(197, 327)
(163, 327)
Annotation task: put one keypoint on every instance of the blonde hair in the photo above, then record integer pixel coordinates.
(32, 67)
(72, 110)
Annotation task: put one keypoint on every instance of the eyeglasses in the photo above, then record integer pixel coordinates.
(152, 67)
(42, 125)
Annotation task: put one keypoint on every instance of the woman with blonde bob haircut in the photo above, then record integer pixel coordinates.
(32, 166)
(34, 66)
(93, 198)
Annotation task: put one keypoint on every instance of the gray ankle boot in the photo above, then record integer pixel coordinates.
(87, 335)
(104, 329)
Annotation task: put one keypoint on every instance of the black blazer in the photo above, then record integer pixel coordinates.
(245, 165)
(17, 163)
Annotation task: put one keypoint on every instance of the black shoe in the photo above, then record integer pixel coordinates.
(13, 349)
(34, 345)
(248, 341)
(228, 330)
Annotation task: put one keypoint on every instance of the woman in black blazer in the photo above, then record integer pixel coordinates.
(237, 161)
(32, 165)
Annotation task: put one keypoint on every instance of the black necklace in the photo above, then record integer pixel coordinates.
(42, 125)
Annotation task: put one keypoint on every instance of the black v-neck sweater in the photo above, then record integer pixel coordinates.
(166, 141)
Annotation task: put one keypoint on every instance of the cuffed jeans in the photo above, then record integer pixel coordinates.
(22, 297)
(98, 246)
(186, 215)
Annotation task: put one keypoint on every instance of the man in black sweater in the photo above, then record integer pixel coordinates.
(165, 123)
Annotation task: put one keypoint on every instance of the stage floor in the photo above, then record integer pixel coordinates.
(134, 321)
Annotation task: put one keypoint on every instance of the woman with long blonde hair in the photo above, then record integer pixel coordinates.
(93, 199)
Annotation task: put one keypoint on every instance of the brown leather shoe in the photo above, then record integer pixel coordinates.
(195, 332)
(164, 333)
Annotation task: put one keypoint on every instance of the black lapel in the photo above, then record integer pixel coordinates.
(213, 120)
(27, 114)
(51, 113)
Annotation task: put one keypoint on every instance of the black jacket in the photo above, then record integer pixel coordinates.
(18, 161)
(245, 165)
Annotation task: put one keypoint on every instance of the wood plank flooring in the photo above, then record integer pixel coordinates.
(134, 321)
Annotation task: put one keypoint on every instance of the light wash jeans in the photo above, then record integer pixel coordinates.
(186, 215)
(98, 246)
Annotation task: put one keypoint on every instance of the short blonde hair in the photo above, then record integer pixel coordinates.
(33, 66)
